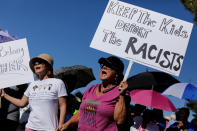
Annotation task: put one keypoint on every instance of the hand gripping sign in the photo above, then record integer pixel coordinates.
(143, 36)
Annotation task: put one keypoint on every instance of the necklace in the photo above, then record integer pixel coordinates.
(107, 90)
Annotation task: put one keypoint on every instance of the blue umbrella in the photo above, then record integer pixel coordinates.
(185, 91)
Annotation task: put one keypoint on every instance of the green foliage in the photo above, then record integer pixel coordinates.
(191, 5)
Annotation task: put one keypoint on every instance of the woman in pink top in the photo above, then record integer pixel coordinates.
(103, 105)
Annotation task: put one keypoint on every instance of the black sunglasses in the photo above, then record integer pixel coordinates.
(109, 66)
(40, 61)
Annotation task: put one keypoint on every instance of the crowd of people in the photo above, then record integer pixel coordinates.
(103, 107)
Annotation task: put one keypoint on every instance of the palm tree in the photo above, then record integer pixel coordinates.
(191, 5)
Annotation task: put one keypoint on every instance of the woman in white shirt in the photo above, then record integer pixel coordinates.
(44, 96)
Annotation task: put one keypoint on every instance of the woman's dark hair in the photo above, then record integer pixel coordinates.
(184, 109)
(119, 79)
(147, 117)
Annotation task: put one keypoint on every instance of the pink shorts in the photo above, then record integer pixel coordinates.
(27, 129)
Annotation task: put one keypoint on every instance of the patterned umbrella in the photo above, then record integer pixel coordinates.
(183, 91)
(5, 36)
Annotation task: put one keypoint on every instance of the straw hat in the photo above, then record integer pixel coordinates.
(45, 57)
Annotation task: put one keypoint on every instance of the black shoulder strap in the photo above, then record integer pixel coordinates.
(94, 86)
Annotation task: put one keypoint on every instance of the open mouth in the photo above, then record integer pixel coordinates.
(104, 72)
(37, 68)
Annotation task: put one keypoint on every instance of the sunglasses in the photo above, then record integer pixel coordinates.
(106, 65)
(109, 66)
(39, 61)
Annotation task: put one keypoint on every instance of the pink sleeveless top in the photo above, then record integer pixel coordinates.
(97, 112)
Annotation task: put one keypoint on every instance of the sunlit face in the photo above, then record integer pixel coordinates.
(40, 67)
(107, 74)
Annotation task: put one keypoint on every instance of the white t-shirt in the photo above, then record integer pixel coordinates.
(43, 100)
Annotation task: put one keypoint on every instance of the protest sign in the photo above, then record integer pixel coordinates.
(143, 36)
(14, 63)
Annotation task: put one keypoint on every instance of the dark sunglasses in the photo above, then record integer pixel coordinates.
(109, 66)
(39, 61)
(106, 65)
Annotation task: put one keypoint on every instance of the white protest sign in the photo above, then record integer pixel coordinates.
(143, 36)
(14, 63)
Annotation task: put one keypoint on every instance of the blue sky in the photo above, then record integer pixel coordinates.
(64, 29)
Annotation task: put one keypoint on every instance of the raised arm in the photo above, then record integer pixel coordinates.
(18, 102)
(120, 107)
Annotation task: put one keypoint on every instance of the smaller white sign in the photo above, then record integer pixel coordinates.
(143, 36)
(14, 63)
